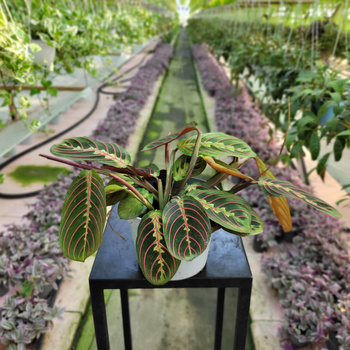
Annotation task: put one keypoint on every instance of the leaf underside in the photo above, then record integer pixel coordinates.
(87, 149)
(187, 228)
(83, 216)
(222, 167)
(279, 205)
(157, 264)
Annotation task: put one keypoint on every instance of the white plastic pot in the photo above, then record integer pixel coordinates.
(187, 269)
(46, 55)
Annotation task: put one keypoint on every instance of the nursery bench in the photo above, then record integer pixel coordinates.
(116, 267)
(17, 133)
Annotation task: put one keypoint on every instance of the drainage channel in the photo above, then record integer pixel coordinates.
(178, 103)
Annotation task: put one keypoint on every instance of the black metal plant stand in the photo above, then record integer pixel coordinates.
(116, 267)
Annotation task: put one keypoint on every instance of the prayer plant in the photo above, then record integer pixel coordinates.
(177, 215)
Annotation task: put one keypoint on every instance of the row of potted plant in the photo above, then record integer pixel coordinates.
(312, 274)
(293, 83)
(30, 255)
(76, 34)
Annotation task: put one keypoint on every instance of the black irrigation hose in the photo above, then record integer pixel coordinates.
(99, 91)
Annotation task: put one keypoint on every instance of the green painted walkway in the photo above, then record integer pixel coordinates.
(169, 319)
(179, 101)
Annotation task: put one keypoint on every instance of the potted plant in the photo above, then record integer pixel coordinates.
(16, 64)
(339, 337)
(177, 217)
(23, 319)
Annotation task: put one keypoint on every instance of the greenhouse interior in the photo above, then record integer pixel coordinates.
(165, 166)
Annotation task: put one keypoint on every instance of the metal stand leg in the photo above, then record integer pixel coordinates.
(242, 317)
(219, 318)
(126, 319)
(100, 318)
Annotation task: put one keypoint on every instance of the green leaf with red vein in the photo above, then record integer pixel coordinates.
(194, 186)
(115, 192)
(182, 166)
(228, 210)
(87, 149)
(187, 228)
(171, 137)
(83, 216)
(114, 188)
(130, 206)
(257, 226)
(216, 145)
(279, 188)
(157, 264)
(151, 169)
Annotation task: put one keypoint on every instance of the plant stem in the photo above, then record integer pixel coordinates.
(194, 158)
(144, 183)
(160, 194)
(216, 179)
(242, 185)
(12, 106)
(166, 156)
(75, 164)
(169, 178)
(142, 199)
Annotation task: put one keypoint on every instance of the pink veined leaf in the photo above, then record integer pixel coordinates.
(279, 188)
(194, 186)
(173, 136)
(182, 165)
(226, 209)
(216, 145)
(151, 169)
(83, 216)
(87, 149)
(157, 264)
(187, 228)
(257, 226)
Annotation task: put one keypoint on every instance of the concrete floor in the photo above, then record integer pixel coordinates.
(171, 319)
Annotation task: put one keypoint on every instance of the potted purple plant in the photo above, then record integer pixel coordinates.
(23, 319)
(177, 216)
(338, 337)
